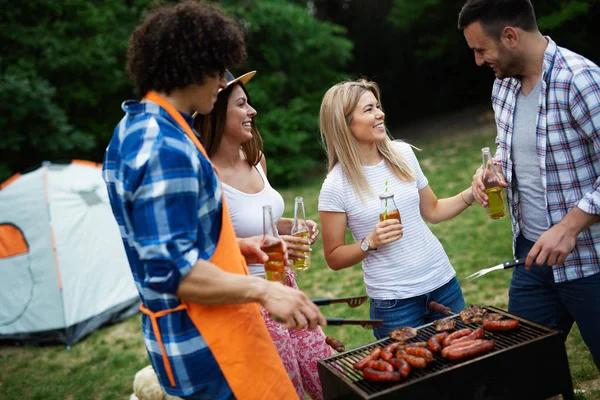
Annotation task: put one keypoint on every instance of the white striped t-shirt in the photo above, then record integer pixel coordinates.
(414, 265)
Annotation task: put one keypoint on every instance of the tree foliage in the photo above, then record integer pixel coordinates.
(62, 68)
(61, 72)
(62, 78)
(414, 50)
(297, 59)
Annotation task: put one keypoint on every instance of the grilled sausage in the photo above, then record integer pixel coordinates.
(456, 335)
(401, 365)
(439, 308)
(435, 342)
(381, 376)
(445, 350)
(414, 361)
(420, 352)
(478, 333)
(388, 351)
(416, 344)
(503, 325)
(373, 355)
(380, 365)
(335, 344)
(461, 353)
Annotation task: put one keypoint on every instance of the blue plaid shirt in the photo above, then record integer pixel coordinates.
(157, 181)
(568, 149)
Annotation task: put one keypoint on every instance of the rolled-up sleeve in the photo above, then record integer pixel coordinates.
(165, 197)
(584, 101)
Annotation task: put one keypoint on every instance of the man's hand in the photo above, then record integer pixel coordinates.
(478, 187)
(251, 251)
(552, 247)
(291, 307)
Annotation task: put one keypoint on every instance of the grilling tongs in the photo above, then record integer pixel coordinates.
(508, 264)
(353, 302)
(365, 323)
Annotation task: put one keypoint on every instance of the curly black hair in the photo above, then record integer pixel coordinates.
(176, 46)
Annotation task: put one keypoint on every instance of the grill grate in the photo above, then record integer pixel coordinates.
(340, 365)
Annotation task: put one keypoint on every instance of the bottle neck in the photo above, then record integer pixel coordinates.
(299, 223)
(269, 228)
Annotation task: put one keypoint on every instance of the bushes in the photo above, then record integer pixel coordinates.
(62, 78)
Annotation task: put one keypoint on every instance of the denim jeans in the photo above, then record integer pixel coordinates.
(413, 312)
(535, 296)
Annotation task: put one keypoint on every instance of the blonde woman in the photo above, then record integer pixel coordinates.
(404, 264)
(234, 145)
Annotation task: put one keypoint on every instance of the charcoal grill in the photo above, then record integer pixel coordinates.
(529, 362)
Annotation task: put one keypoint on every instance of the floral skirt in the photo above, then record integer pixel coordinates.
(299, 351)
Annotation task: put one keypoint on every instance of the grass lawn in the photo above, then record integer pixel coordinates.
(102, 366)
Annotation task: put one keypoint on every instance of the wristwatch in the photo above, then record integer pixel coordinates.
(365, 246)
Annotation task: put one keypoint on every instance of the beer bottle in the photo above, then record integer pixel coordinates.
(300, 229)
(272, 245)
(493, 190)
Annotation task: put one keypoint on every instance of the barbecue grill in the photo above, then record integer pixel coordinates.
(529, 362)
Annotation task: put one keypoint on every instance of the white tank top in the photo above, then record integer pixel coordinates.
(246, 214)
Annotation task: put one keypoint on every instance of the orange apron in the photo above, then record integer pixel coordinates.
(235, 333)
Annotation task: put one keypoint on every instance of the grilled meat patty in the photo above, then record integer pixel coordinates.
(444, 325)
(472, 314)
(403, 334)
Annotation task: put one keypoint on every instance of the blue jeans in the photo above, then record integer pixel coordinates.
(535, 296)
(413, 312)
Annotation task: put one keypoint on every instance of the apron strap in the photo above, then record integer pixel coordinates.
(156, 98)
(154, 316)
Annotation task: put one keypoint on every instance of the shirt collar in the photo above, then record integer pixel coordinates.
(549, 57)
(136, 107)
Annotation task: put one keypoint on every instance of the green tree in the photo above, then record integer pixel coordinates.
(61, 71)
(62, 78)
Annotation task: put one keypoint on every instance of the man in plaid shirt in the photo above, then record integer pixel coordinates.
(546, 101)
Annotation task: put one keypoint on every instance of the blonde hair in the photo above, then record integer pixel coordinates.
(339, 142)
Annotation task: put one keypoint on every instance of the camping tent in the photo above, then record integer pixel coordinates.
(63, 268)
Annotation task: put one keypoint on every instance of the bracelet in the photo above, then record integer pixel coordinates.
(463, 198)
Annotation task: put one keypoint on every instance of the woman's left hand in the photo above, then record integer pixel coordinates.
(314, 230)
(298, 247)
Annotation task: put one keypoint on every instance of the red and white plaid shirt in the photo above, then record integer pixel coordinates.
(568, 149)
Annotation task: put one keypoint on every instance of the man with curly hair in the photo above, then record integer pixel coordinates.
(203, 329)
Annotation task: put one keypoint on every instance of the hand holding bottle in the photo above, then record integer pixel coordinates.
(297, 245)
(385, 232)
(478, 187)
(389, 229)
(301, 229)
(487, 185)
(275, 248)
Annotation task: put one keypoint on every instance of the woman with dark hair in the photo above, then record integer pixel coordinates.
(203, 330)
(234, 145)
